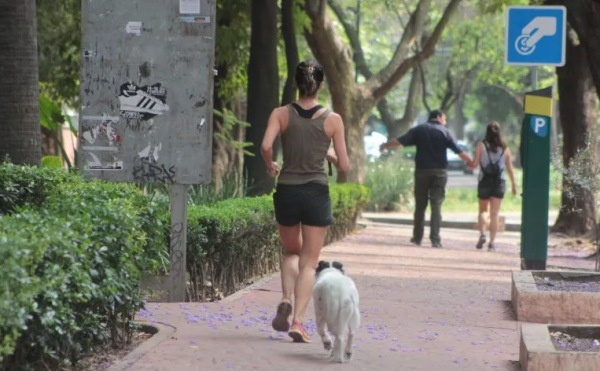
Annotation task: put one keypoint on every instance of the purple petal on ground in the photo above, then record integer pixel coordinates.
(456, 361)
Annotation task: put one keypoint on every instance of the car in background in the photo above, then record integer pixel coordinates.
(372, 143)
(455, 163)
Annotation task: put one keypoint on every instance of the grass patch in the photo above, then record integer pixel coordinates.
(465, 200)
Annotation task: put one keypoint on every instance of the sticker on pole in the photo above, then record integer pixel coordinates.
(539, 125)
(189, 6)
(536, 35)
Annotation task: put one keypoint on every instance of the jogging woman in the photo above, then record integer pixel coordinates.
(301, 199)
(494, 157)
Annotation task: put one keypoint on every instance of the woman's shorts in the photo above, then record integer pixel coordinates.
(308, 204)
(487, 189)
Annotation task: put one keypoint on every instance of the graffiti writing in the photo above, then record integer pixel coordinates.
(136, 124)
(148, 171)
(176, 249)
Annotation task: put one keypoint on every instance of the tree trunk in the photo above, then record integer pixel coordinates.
(459, 117)
(20, 129)
(579, 117)
(263, 91)
(584, 17)
(288, 30)
(351, 101)
(49, 144)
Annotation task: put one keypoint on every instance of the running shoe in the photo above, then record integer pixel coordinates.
(481, 242)
(280, 322)
(298, 334)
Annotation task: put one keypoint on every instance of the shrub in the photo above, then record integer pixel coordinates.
(391, 181)
(72, 271)
(54, 162)
(233, 241)
(25, 185)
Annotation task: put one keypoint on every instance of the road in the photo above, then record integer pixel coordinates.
(457, 179)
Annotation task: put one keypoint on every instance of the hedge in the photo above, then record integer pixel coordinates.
(71, 267)
(25, 185)
(233, 241)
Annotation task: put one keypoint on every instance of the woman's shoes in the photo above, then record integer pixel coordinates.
(298, 334)
(481, 242)
(281, 321)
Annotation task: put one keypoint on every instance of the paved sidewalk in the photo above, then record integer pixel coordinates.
(423, 309)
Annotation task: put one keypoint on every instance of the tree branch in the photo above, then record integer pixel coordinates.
(354, 37)
(383, 82)
(329, 48)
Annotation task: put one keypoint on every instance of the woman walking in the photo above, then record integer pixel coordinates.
(301, 199)
(494, 157)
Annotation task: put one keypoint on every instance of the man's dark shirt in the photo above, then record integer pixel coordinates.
(432, 139)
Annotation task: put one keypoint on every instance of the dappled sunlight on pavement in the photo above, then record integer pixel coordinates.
(422, 309)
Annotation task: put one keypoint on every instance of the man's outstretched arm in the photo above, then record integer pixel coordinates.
(391, 144)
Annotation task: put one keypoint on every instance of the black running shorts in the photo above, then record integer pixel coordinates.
(488, 189)
(308, 204)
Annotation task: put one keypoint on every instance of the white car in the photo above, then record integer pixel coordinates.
(372, 144)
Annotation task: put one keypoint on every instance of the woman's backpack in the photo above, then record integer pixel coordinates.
(492, 170)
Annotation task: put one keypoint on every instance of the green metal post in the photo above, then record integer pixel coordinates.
(535, 152)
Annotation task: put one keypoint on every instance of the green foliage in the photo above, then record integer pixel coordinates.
(229, 121)
(52, 119)
(54, 162)
(72, 268)
(235, 240)
(232, 50)
(59, 42)
(391, 181)
(200, 194)
(24, 185)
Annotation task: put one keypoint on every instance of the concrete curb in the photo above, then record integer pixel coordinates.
(509, 227)
(163, 332)
(537, 306)
(537, 352)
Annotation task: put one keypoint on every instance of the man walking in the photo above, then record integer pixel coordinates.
(432, 139)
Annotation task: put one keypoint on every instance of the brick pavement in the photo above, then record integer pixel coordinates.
(423, 309)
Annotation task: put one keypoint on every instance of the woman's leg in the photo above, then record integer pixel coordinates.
(291, 239)
(313, 240)
(494, 212)
(483, 208)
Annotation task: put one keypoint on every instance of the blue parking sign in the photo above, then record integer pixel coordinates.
(536, 35)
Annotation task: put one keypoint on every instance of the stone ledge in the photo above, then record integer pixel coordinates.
(537, 353)
(533, 305)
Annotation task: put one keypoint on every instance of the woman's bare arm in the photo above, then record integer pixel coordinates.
(340, 158)
(510, 170)
(271, 133)
(477, 158)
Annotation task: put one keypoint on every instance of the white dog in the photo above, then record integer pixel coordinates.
(336, 305)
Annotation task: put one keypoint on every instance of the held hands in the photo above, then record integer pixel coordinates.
(273, 169)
